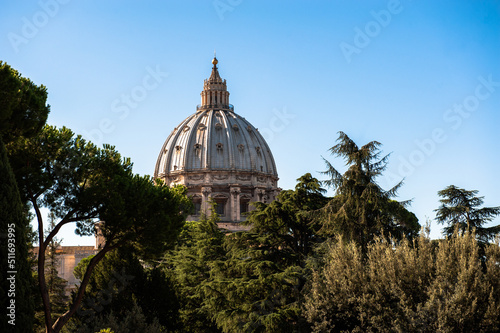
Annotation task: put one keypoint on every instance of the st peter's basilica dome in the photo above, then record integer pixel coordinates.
(218, 155)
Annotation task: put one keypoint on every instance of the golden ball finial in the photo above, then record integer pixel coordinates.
(215, 61)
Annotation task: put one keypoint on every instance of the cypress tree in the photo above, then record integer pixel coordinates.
(14, 252)
(23, 112)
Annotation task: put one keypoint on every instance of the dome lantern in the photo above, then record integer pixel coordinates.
(215, 94)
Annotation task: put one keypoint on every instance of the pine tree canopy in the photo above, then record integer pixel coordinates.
(361, 209)
(461, 209)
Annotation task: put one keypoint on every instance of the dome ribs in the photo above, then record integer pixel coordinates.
(217, 154)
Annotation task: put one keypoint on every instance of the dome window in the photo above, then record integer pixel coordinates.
(235, 127)
(197, 205)
(186, 128)
(241, 147)
(197, 146)
(202, 126)
(244, 205)
(257, 149)
(220, 206)
(249, 128)
(178, 148)
(219, 146)
(218, 126)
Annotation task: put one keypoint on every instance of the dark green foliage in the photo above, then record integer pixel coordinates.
(248, 281)
(200, 245)
(406, 287)
(23, 112)
(82, 183)
(120, 283)
(158, 300)
(256, 288)
(14, 225)
(460, 209)
(111, 286)
(287, 220)
(23, 108)
(361, 209)
(132, 320)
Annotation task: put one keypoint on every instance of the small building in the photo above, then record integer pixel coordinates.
(68, 258)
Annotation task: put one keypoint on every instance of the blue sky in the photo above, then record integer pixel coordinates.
(421, 77)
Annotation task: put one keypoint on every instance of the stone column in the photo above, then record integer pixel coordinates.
(206, 192)
(235, 204)
(100, 241)
(259, 193)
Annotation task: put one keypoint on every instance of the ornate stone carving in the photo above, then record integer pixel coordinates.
(219, 177)
(196, 177)
(243, 177)
(235, 191)
(206, 190)
(261, 179)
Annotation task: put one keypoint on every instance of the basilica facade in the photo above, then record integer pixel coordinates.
(219, 156)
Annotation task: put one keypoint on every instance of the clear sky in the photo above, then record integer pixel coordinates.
(421, 77)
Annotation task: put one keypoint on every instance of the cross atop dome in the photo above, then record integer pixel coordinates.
(215, 95)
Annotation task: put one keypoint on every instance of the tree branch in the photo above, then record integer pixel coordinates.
(63, 319)
(64, 221)
(41, 266)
